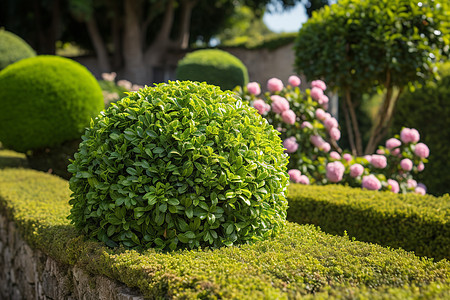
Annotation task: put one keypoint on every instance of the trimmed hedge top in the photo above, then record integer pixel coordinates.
(297, 263)
(13, 48)
(46, 100)
(179, 165)
(214, 66)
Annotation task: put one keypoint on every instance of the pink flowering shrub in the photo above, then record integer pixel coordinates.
(310, 135)
(112, 91)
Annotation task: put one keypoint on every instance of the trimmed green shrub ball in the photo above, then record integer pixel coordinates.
(179, 165)
(13, 48)
(428, 110)
(213, 66)
(46, 100)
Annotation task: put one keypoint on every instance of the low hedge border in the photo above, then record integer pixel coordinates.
(300, 262)
(412, 222)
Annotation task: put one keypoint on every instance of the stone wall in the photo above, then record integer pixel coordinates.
(26, 273)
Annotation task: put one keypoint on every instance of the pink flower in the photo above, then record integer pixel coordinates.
(394, 186)
(316, 140)
(368, 158)
(348, 157)
(411, 183)
(335, 171)
(109, 76)
(380, 151)
(406, 164)
(294, 80)
(304, 180)
(290, 144)
(335, 155)
(370, 182)
(279, 104)
(253, 88)
(316, 93)
(325, 106)
(393, 143)
(261, 106)
(422, 186)
(330, 123)
(422, 150)
(274, 85)
(408, 135)
(420, 167)
(294, 175)
(325, 147)
(379, 161)
(320, 114)
(319, 84)
(396, 152)
(288, 116)
(356, 170)
(323, 100)
(335, 134)
(419, 190)
(125, 84)
(306, 124)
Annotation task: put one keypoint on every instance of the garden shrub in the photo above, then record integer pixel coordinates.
(114, 91)
(428, 108)
(300, 262)
(214, 66)
(181, 164)
(13, 48)
(412, 222)
(45, 101)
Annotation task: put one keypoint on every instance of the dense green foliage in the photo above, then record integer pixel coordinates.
(300, 262)
(270, 42)
(46, 100)
(428, 109)
(214, 66)
(13, 48)
(352, 44)
(179, 165)
(412, 222)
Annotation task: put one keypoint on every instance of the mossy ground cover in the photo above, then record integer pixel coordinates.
(301, 262)
(410, 221)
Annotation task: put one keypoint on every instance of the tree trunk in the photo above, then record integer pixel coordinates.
(351, 137)
(185, 24)
(135, 69)
(99, 45)
(354, 122)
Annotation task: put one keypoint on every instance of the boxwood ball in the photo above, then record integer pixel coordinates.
(179, 165)
(46, 100)
(13, 48)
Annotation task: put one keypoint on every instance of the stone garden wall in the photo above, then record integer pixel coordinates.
(26, 273)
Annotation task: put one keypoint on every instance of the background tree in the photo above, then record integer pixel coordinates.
(358, 47)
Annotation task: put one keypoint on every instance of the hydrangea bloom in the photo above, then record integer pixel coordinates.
(396, 152)
(319, 84)
(356, 170)
(323, 100)
(316, 140)
(304, 179)
(290, 144)
(409, 135)
(330, 123)
(254, 88)
(393, 143)
(411, 183)
(279, 104)
(335, 134)
(307, 125)
(395, 188)
(380, 151)
(321, 114)
(420, 190)
(288, 116)
(109, 76)
(261, 106)
(406, 164)
(335, 171)
(335, 155)
(420, 167)
(316, 93)
(294, 80)
(423, 186)
(370, 182)
(368, 158)
(274, 85)
(422, 150)
(325, 147)
(378, 161)
(294, 175)
(348, 157)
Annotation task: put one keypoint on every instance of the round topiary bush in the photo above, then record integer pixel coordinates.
(179, 165)
(13, 48)
(46, 100)
(214, 66)
(428, 110)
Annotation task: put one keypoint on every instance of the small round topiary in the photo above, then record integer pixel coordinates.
(179, 165)
(13, 48)
(46, 100)
(213, 66)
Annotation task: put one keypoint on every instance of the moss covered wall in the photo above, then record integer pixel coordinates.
(26, 273)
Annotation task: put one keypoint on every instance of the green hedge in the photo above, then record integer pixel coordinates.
(413, 222)
(13, 48)
(300, 262)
